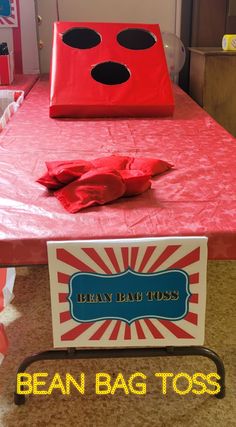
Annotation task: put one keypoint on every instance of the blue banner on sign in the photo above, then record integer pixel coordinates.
(5, 8)
(129, 296)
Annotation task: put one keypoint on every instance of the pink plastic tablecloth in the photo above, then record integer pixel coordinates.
(198, 197)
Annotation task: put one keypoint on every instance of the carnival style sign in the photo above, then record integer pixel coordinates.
(128, 293)
(8, 13)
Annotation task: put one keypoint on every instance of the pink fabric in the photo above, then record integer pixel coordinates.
(96, 187)
(151, 167)
(136, 182)
(114, 162)
(49, 182)
(65, 171)
(196, 198)
(75, 196)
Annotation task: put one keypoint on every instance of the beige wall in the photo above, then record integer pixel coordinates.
(30, 57)
(147, 11)
(47, 9)
(165, 12)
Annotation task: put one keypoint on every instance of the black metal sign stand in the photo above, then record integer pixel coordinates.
(73, 353)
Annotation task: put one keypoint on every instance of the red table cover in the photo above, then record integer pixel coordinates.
(197, 197)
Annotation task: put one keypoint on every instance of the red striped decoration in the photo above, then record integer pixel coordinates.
(148, 253)
(66, 257)
(174, 329)
(65, 316)
(115, 331)
(112, 256)
(62, 297)
(127, 335)
(140, 333)
(194, 279)
(194, 298)
(192, 318)
(100, 331)
(125, 256)
(63, 278)
(133, 258)
(76, 332)
(154, 331)
(188, 259)
(170, 250)
(92, 253)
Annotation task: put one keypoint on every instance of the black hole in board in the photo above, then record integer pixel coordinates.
(136, 39)
(110, 73)
(81, 38)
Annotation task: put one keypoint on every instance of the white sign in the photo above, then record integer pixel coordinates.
(128, 292)
(8, 13)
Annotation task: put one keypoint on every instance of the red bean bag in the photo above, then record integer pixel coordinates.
(149, 166)
(50, 182)
(96, 187)
(67, 171)
(136, 182)
(113, 162)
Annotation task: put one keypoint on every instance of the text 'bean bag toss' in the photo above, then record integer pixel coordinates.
(109, 69)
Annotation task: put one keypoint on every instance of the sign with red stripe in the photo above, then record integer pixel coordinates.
(7, 280)
(128, 292)
(8, 13)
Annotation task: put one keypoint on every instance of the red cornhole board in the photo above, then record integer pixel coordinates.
(107, 69)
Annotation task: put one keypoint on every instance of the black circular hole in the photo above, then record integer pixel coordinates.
(110, 73)
(136, 39)
(81, 38)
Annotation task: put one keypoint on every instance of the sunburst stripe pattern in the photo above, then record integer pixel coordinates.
(129, 257)
(174, 329)
(100, 331)
(148, 253)
(66, 257)
(92, 253)
(112, 256)
(170, 250)
(154, 331)
(140, 333)
(190, 258)
(133, 257)
(125, 257)
(194, 299)
(115, 331)
(76, 332)
(65, 316)
(192, 318)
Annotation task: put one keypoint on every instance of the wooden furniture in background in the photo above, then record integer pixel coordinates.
(213, 84)
(203, 23)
